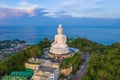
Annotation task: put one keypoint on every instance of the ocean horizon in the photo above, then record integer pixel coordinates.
(34, 34)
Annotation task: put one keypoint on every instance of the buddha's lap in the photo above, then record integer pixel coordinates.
(60, 45)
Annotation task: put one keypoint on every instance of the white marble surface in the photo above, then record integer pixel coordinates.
(59, 45)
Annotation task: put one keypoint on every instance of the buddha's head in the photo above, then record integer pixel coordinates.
(60, 29)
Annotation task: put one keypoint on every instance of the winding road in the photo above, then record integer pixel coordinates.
(82, 71)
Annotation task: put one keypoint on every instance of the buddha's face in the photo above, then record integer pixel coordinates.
(59, 31)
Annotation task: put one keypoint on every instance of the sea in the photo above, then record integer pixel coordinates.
(34, 34)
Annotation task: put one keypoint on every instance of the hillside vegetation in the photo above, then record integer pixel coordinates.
(105, 59)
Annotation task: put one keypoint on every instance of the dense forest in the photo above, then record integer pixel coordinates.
(105, 59)
(103, 65)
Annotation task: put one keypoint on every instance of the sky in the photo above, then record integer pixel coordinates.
(66, 12)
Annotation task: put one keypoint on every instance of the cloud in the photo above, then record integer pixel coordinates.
(21, 9)
(27, 7)
(60, 8)
(6, 12)
(57, 13)
(23, 3)
(83, 8)
(75, 8)
(99, 3)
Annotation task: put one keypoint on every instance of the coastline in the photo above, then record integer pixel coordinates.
(34, 34)
(34, 43)
(102, 43)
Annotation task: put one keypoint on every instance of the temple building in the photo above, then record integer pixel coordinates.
(48, 70)
(46, 73)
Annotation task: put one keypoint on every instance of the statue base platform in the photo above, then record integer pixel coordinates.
(72, 51)
(58, 56)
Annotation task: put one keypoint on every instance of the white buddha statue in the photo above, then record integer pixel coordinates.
(59, 45)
